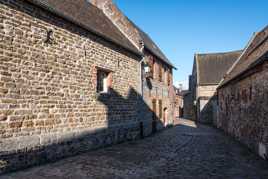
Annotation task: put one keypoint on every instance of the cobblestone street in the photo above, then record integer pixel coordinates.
(185, 151)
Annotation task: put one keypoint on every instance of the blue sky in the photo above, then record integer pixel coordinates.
(182, 28)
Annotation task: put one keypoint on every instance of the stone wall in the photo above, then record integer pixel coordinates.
(243, 110)
(206, 90)
(243, 102)
(152, 88)
(207, 109)
(160, 91)
(206, 103)
(178, 106)
(188, 107)
(48, 100)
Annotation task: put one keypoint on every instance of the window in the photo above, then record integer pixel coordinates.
(103, 80)
(152, 65)
(153, 68)
(165, 76)
(160, 72)
(169, 77)
(160, 109)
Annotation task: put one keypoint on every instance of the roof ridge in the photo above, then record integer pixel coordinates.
(219, 53)
(239, 58)
(234, 71)
(155, 45)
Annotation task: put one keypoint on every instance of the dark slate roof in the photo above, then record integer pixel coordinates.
(84, 14)
(244, 63)
(151, 46)
(212, 67)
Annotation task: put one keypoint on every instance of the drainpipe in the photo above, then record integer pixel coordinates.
(141, 76)
(141, 68)
(141, 89)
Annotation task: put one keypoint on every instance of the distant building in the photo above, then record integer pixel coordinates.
(208, 70)
(179, 108)
(243, 96)
(188, 106)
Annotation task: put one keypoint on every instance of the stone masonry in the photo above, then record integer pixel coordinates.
(160, 91)
(49, 107)
(243, 99)
(243, 110)
(208, 70)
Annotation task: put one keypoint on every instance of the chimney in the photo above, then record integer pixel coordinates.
(120, 21)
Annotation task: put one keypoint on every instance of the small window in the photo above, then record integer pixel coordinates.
(165, 75)
(102, 81)
(169, 75)
(160, 109)
(160, 72)
(153, 68)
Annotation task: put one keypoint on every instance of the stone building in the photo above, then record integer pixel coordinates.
(243, 96)
(70, 81)
(179, 108)
(208, 70)
(157, 84)
(188, 105)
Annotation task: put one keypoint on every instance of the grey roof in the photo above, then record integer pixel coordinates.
(151, 46)
(212, 67)
(245, 63)
(85, 15)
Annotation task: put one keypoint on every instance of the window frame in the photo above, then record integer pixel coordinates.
(160, 106)
(160, 72)
(107, 81)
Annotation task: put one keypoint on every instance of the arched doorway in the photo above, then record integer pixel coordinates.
(165, 117)
(180, 112)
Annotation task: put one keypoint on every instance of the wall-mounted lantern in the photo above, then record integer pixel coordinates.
(147, 70)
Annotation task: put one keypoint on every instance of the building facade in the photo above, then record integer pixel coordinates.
(157, 83)
(208, 70)
(188, 105)
(70, 81)
(179, 104)
(243, 96)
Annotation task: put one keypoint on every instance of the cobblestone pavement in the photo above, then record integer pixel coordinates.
(186, 151)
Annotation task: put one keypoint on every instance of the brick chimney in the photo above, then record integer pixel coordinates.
(120, 20)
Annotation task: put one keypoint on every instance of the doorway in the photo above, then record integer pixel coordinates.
(154, 121)
(165, 117)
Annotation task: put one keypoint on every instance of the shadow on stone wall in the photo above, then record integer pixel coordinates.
(208, 115)
(124, 123)
(125, 116)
